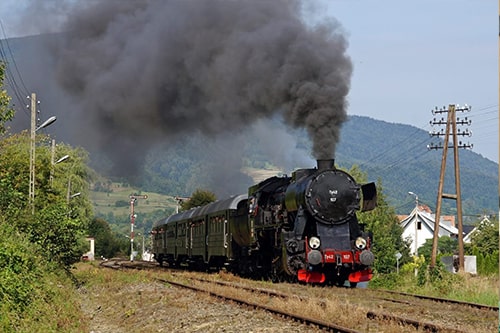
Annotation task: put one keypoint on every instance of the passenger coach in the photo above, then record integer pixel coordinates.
(199, 238)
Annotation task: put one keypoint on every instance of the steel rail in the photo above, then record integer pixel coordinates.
(443, 300)
(298, 318)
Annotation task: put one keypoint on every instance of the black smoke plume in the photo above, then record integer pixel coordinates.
(146, 70)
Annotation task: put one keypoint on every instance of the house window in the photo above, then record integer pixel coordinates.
(419, 225)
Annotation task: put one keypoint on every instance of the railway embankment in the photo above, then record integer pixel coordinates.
(124, 300)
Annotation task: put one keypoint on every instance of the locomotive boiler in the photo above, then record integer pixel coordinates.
(302, 228)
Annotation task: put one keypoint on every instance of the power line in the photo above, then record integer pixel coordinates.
(19, 90)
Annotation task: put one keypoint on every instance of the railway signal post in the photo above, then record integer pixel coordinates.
(133, 198)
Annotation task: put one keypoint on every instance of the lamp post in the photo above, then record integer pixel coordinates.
(416, 223)
(52, 163)
(33, 131)
(68, 198)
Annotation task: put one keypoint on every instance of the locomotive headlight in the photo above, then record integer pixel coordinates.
(360, 243)
(314, 243)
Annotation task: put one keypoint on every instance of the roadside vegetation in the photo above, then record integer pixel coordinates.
(42, 239)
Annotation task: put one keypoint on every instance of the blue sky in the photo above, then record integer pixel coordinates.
(408, 56)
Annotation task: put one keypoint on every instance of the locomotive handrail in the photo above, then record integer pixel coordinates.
(225, 233)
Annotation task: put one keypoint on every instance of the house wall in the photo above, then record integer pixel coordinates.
(422, 235)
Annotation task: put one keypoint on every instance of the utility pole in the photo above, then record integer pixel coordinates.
(133, 198)
(33, 129)
(451, 124)
(499, 172)
(32, 153)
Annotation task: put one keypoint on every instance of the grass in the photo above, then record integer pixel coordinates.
(55, 309)
(259, 175)
(105, 202)
(126, 297)
(462, 287)
(477, 289)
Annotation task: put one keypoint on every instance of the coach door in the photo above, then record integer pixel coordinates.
(217, 236)
(169, 236)
(182, 241)
(197, 243)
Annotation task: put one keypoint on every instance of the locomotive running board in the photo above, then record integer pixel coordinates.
(310, 277)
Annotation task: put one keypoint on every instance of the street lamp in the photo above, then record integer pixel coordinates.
(46, 123)
(34, 129)
(416, 223)
(52, 163)
(416, 198)
(62, 159)
(68, 193)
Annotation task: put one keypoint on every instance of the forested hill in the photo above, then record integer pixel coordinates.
(394, 154)
(398, 155)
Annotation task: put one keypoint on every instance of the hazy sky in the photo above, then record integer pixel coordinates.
(411, 56)
(408, 56)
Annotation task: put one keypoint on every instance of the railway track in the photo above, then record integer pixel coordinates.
(374, 315)
(411, 312)
(443, 300)
(318, 324)
(321, 325)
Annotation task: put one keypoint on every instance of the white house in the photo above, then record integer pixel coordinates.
(419, 226)
(484, 221)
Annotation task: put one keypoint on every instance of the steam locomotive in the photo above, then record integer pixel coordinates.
(301, 228)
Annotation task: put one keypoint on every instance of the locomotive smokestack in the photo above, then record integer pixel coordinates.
(326, 164)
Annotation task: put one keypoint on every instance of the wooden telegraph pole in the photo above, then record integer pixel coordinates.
(451, 129)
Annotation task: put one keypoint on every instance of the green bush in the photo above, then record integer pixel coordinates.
(36, 295)
(386, 281)
(486, 263)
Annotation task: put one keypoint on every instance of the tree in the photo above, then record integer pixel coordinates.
(446, 246)
(198, 198)
(484, 245)
(59, 221)
(485, 238)
(383, 223)
(106, 243)
(6, 112)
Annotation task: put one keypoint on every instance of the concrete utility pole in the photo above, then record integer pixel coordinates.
(32, 153)
(451, 122)
(415, 252)
(133, 198)
(33, 129)
(499, 171)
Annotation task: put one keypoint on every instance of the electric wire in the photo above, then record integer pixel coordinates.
(19, 89)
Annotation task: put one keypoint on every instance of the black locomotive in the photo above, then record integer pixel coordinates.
(302, 227)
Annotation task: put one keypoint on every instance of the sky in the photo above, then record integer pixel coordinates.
(411, 56)
(408, 57)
